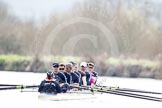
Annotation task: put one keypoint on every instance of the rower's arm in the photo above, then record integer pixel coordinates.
(84, 81)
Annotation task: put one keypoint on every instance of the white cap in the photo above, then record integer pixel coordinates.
(83, 64)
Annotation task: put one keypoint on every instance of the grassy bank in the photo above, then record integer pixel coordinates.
(105, 66)
(29, 63)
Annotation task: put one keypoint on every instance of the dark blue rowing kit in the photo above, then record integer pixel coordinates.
(82, 74)
(95, 74)
(60, 77)
(79, 75)
(49, 87)
(88, 78)
(71, 77)
(75, 78)
(68, 77)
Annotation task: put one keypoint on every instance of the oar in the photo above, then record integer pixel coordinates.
(29, 90)
(129, 90)
(127, 93)
(19, 87)
(121, 93)
(8, 85)
(114, 90)
(132, 95)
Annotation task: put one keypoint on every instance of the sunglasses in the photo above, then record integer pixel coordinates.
(61, 68)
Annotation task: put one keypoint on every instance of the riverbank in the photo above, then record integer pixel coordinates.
(106, 66)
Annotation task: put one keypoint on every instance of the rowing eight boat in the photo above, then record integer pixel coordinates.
(70, 95)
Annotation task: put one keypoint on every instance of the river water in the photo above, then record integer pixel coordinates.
(18, 99)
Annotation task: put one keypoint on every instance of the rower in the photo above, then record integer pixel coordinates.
(75, 69)
(62, 68)
(49, 85)
(67, 74)
(60, 77)
(83, 79)
(93, 74)
(74, 77)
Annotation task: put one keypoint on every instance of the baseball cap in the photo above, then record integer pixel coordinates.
(83, 64)
(55, 64)
(91, 64)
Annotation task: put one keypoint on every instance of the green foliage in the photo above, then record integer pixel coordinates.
(106, 66)
(131, 61)
(29, 63)
(13, 58)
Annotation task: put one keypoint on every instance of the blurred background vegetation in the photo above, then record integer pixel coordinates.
(136, 26)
